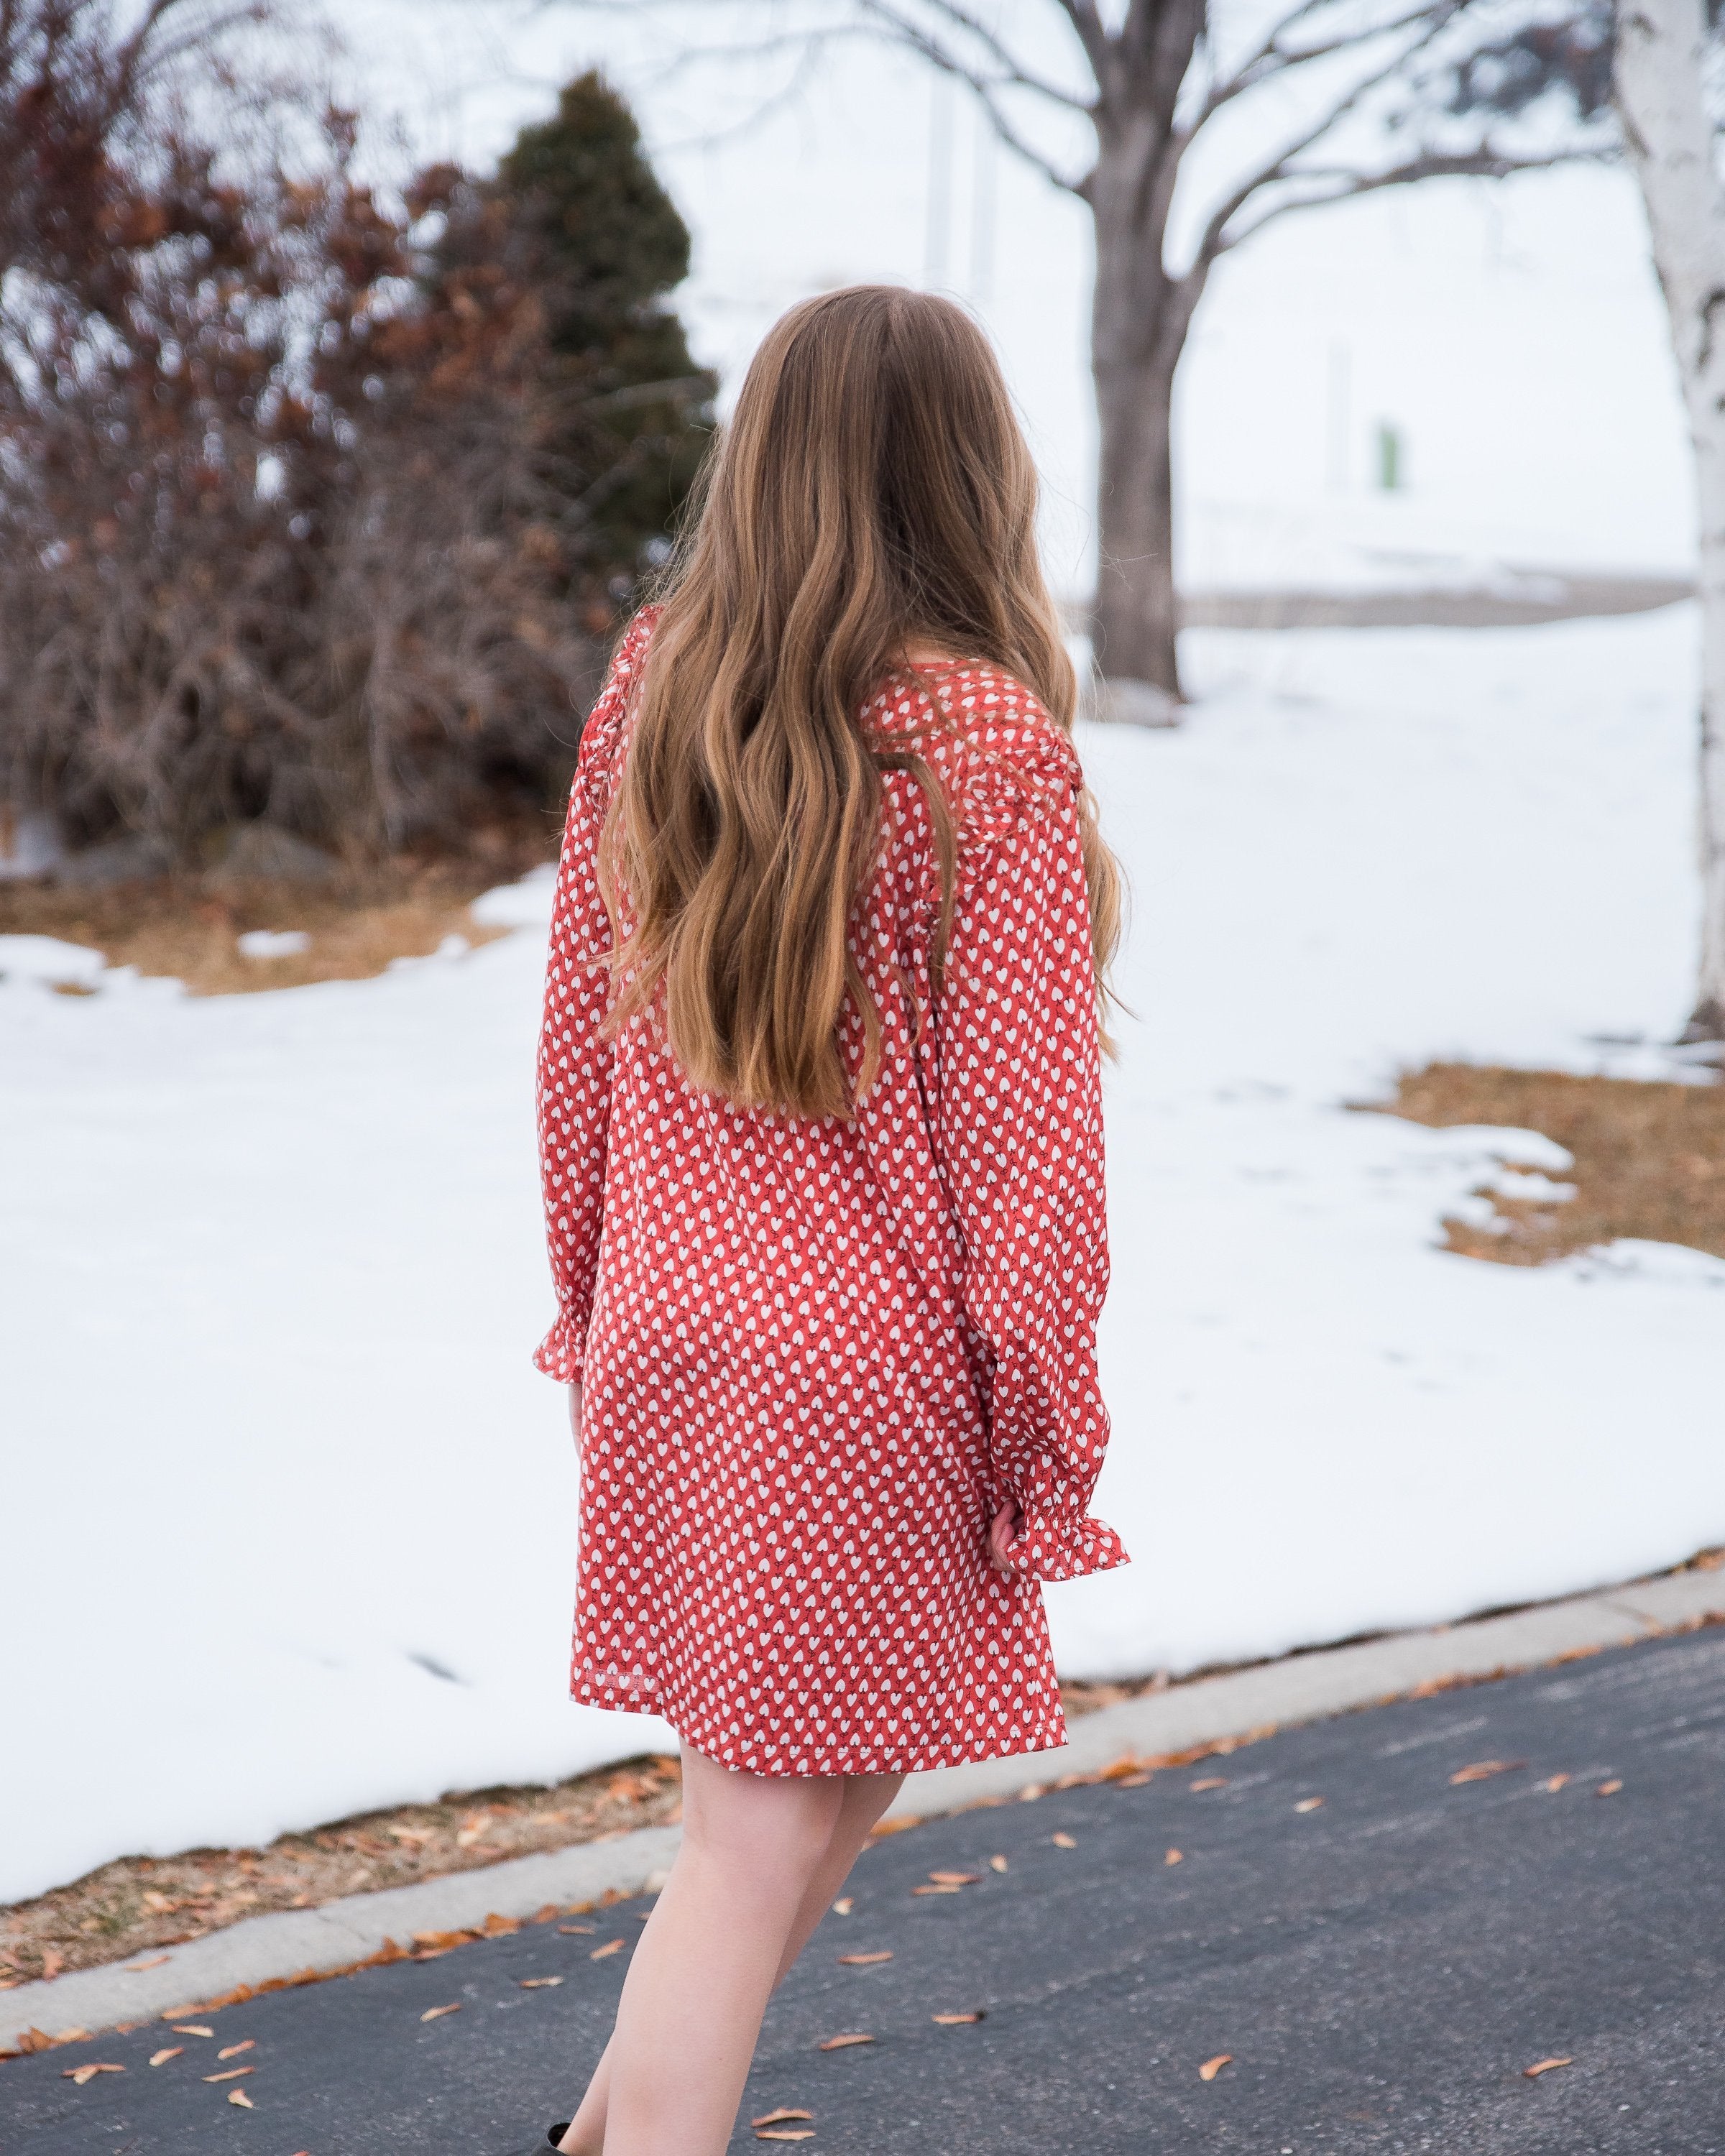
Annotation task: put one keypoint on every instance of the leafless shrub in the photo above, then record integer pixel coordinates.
(301, 507)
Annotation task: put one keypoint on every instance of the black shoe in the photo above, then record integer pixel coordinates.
(548, 2146)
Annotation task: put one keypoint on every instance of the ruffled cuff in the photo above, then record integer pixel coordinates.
(1045, 1548)
(559, 1354)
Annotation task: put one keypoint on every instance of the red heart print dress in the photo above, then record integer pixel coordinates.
(816, 1354)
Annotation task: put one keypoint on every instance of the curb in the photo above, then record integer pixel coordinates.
(1302, 1687)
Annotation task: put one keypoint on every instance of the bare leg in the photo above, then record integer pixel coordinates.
(856, 1802)
(867, 1796)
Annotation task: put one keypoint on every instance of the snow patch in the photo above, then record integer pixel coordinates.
(48, 962)
(1653, 1265)
(524, 905)
(273, 943)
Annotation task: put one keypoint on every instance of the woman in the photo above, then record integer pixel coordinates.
(821, 1124)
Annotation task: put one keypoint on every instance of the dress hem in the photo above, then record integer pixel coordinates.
(834, 1760)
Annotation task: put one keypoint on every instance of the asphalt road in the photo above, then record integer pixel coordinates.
(1381, 1968)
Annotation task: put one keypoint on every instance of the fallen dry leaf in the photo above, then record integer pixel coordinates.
(137, 1968)
(952, 2020)
(234, 2050)
(71, 2035)
(539, 1983)
(1482, 1770)
(782, 2117)
(192, 2029)
(1133, 1781)
(240, 2097)
(1308, 1803)
(785, 2133)
(435, 2013)
(839, 2043)
(955, 1878)
(1556, 1782)
(937, 1890)
(1209, 1782)
(996, 1864)
(1122, 1770)
(432, 1943)
(886, 1827)
(569, 1930)
(161, 2058)
(1175, 1857)
(33, 2040)
(863, 1961)
(1608, 1789)
(1211, 2067)
(844, 1906)
(1544, 2066)
(233, 2074)
(610, 1947)
(80, 2074)
(1063, 1841)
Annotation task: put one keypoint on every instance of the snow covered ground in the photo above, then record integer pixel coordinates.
(289, 1512)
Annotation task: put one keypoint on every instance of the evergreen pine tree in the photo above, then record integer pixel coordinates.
(595, 240)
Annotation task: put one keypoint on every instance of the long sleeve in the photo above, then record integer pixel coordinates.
(1019, 1131)
(575, 1060)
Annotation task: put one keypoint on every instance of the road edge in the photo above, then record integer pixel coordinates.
(1240, 1703)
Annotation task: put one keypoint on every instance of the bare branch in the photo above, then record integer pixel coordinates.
(1341, 185)
(1280, 167)
(774, 101)
(1273, 58)
(885, 22)
(1091, 35)
(1013, 71)
(1014, 142)
(910, 37)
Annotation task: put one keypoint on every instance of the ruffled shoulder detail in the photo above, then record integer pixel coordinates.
(603, 734)
(1002, 760)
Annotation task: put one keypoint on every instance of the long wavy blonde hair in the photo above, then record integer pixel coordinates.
(872, 494)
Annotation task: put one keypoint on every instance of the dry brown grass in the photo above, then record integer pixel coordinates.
(1650, 1159)
(187, 929)
(138, 1904)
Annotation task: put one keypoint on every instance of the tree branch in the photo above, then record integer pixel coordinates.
(911, 36)
(1280, 167)
(1341, 184)
(1091, 35)
(772, 102)
(1273, 58)
(1013, 72)
(885, 22)
(1014, 142)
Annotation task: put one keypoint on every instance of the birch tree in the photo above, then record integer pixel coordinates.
(1655, 65)
(1185, 127)
(1662, 67)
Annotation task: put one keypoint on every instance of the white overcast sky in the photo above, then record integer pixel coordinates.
(1512, 334)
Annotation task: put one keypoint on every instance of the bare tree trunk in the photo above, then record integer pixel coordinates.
(1661, 70)
(1139, 322)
